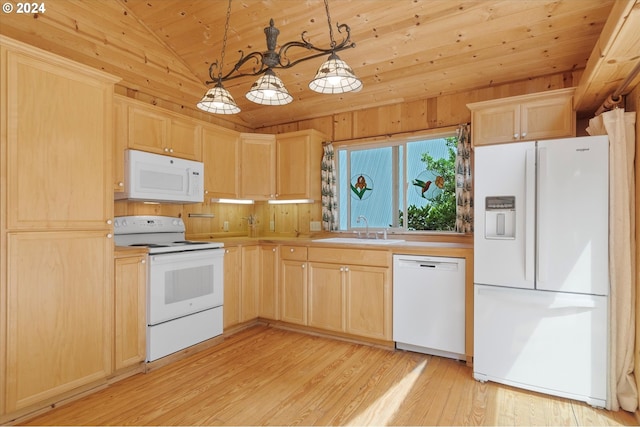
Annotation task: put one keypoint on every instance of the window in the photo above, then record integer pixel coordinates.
(401, 185)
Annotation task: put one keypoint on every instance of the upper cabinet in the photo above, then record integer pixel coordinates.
(299, 155)
(257, 166)
(536, 116)
(221, 155)
(148, 128)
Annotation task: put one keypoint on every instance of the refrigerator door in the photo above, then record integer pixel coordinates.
(504, 224)
(573, 215)
(549, 342)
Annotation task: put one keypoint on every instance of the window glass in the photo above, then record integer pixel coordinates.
(376, 181)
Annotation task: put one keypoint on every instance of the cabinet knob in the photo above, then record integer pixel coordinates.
(524, 134)
(291, 250)
(341, 268)
(226, 251)
(516, 135)
(166, 150)
(144, 261)
(109, 235)
(171, 150)
(109, 222)
(346, 269)
(302, 266)
(273, 250)
(120, 184)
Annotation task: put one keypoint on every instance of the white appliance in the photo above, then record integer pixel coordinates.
(185, 283)
(156, 178)
(541, 270)
(429, 305)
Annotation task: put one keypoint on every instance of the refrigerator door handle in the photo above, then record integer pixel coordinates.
(542, 251)
(529, 214)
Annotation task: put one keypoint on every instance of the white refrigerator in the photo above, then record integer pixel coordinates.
(541, 274)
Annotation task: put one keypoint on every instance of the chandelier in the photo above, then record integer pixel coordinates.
(333, 76)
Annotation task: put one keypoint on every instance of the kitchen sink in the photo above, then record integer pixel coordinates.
(356, 241)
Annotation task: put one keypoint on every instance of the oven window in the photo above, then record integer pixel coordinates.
(187, 283)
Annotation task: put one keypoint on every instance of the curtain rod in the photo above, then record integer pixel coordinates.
(614, 99)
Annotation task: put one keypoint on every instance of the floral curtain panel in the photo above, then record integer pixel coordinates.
(464, 189)
(330, 217)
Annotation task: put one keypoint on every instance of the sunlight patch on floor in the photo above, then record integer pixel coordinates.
(382, 411)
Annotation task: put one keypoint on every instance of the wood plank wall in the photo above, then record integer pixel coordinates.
(431, 113)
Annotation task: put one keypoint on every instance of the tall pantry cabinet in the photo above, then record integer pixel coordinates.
(56, 196)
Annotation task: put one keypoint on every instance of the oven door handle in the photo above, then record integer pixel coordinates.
(172, 257)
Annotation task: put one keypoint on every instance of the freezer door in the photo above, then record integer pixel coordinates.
(573, 215)
(504, 234)
(549, 342)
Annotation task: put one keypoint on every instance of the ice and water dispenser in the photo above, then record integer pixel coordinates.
(500, 217)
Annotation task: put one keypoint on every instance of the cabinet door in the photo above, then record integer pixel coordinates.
(258, 166)
(130, 310)
(548, 118)
(185, 140)
(368, 302)
(293, 292)
(497, 124)
(148, 130)
(59, 314)
(298, 158)
(326, 295)
(249, 290)
(59, 171)
(232, 276)
(269, 282)
(120, 134)
(220, 153)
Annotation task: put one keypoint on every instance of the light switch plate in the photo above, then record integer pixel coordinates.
(315, 226)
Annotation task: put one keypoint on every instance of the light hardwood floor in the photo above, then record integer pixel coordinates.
(269, 376)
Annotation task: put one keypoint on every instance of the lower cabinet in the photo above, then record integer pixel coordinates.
(232, 275)
(250, 283)
(59, 315)
(293, 284)
(269, 304)
(130, 281)
(350, 298)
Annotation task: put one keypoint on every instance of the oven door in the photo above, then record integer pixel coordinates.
(183, 283)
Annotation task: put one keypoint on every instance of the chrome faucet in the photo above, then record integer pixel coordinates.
(366, 223)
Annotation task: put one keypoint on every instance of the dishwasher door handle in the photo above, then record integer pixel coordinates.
(435, 265)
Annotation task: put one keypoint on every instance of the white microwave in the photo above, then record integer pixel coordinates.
(155, 178)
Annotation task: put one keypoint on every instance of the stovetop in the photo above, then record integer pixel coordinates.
(160, 234)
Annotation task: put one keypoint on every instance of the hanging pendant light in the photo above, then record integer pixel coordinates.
(269, 90)
(218, 100)
(334, 75)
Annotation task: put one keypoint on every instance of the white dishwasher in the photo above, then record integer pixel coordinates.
(429, 305)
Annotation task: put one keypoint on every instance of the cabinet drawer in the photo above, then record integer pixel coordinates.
(350, 256)
(294, 253)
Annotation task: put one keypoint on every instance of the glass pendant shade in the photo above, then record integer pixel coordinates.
(218, 100)
(269, 90)
(335, 76)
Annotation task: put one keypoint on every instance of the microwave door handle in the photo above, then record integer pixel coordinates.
(190, 179)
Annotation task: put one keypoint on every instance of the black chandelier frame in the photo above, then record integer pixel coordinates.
(272, 59)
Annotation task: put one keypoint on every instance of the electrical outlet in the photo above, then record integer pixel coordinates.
(315, 226)
(225, 226)
(272, 226)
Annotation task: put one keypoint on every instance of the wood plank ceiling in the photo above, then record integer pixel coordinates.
(406, 49)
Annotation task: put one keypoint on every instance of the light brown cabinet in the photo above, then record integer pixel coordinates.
(293, 284)
(350, 291)
(232, 277)
(268, 286)
(257, 166)
(298, 158)
(221, 157)
(250, 281)
(56, 250)
(158, 131)
(523, 118)
(130, 280)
